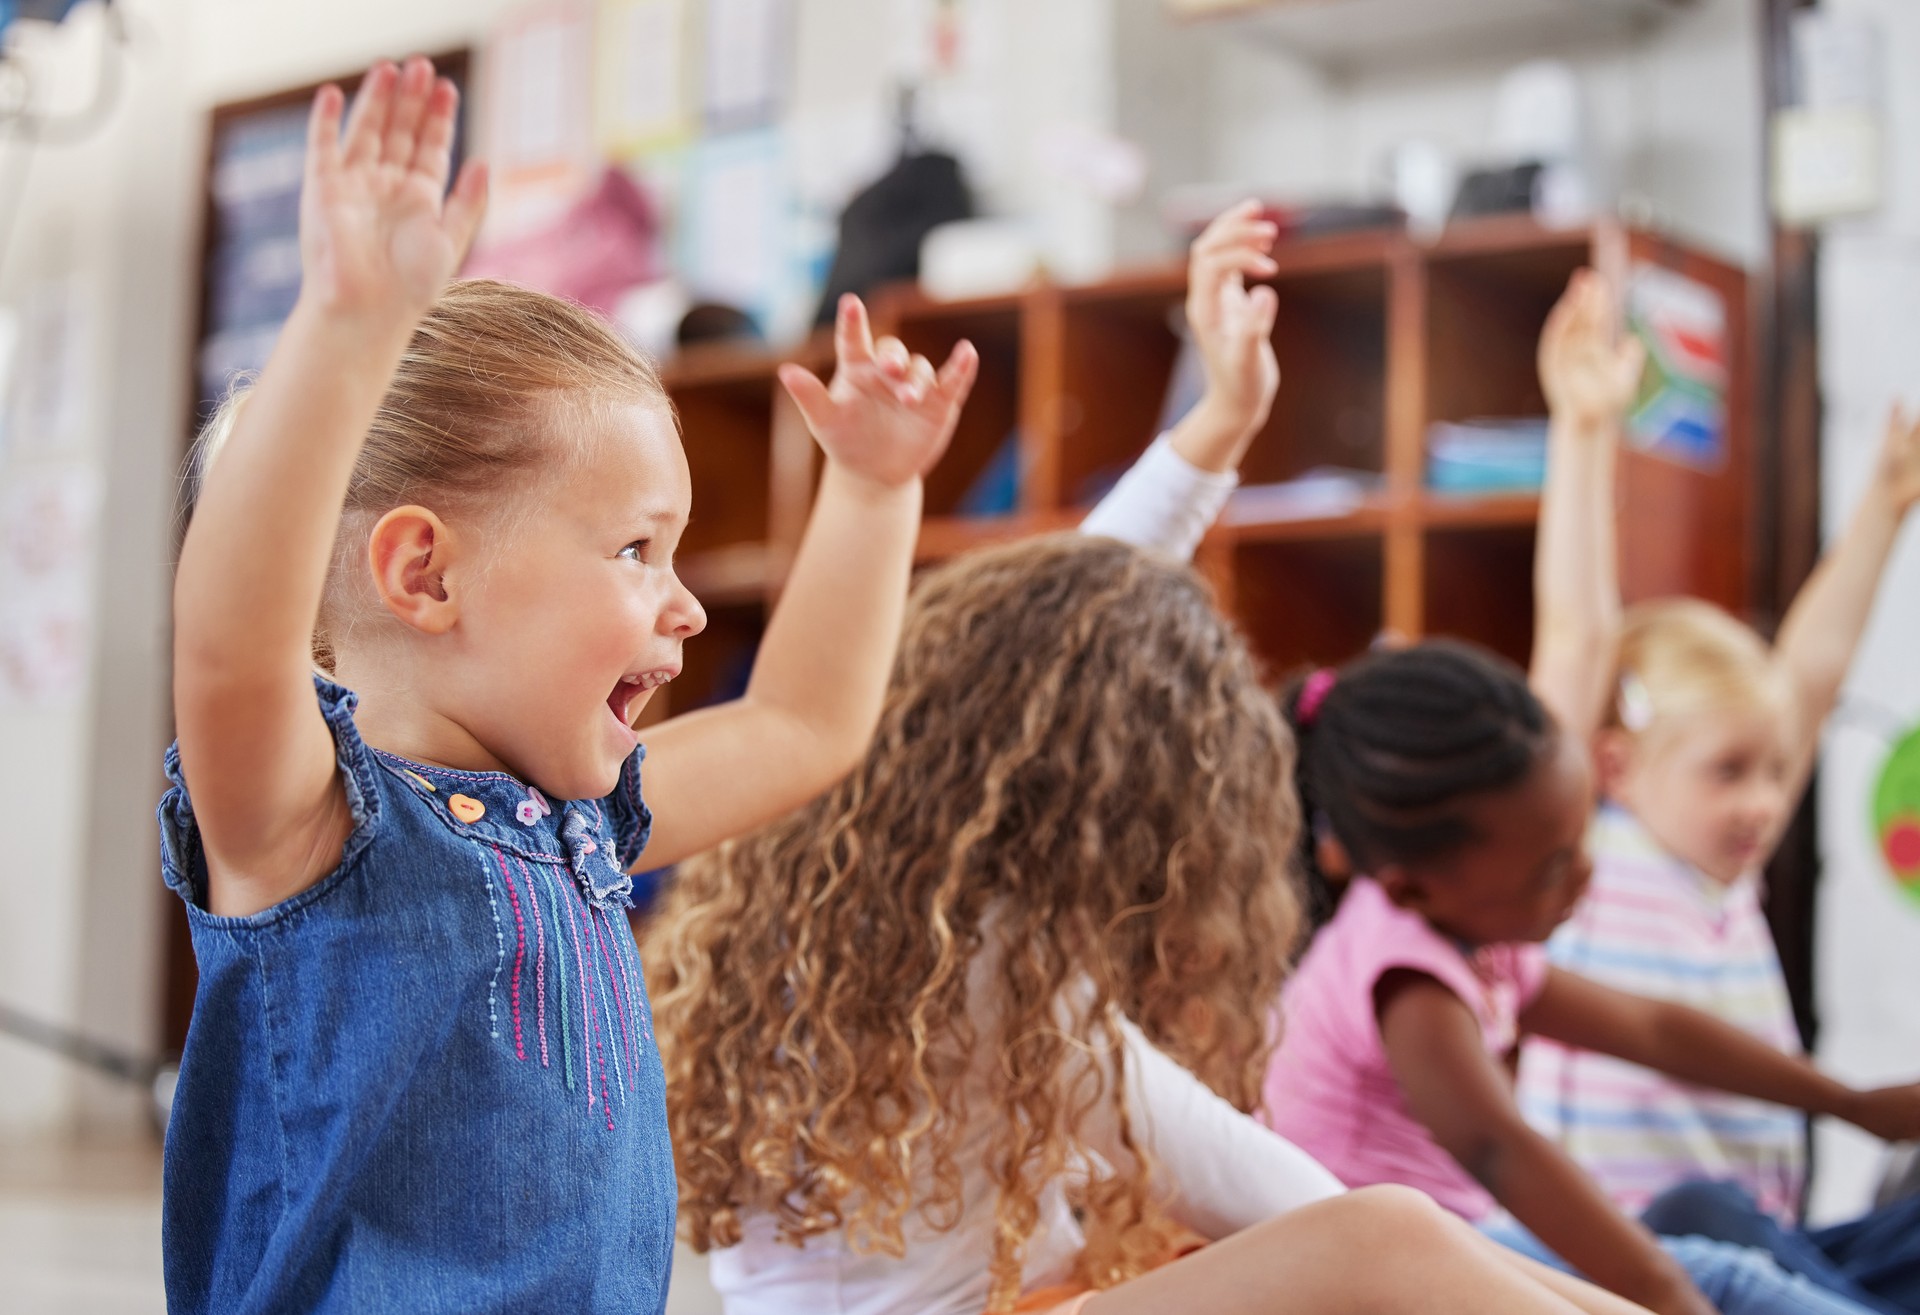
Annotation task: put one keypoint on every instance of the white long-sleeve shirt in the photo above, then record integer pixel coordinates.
(1220, 1170)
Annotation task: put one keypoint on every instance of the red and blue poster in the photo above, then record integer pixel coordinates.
(1681, 412)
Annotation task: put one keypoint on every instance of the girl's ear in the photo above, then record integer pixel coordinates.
(1402, 887)
(410, 551)
(1331, 857)
(1613, 759)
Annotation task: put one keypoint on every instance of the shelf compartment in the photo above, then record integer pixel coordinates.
(1121, 342)
(1478, 585)
(992, 414)
(1308, 601)
(1489, 290)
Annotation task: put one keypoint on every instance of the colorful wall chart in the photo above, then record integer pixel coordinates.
(1681, 413)
(1896, 813)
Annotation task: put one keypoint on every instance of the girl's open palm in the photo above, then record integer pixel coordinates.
(1233, 324)
(888, 415)
(1589, 372)
(378, 229)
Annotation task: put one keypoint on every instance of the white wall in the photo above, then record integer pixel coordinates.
(1675, 114)
(1869, 948)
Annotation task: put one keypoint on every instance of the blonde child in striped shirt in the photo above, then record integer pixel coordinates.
(1704, 738)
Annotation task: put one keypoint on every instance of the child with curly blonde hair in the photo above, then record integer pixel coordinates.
(421, 1073)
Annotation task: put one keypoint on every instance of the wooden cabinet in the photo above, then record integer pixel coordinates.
(1377, 338)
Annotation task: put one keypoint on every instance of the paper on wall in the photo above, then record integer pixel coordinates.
(747, 60)
(539, 137)
(731, 222)
(48, 526)
(1681, 411)
(641, 97)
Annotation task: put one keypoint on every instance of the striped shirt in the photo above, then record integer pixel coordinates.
(1654, 925)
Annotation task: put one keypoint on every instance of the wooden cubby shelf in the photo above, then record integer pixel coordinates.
(1377, 337)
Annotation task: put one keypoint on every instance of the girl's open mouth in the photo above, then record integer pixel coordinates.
(630, 692)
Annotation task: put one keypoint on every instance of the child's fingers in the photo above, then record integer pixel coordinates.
(367, 121)
(433, 156)
(956, 375)
(323, 131)
(921, 376)
(402, 136)
(1259, 234)
(893, 357)
(808, 394)
(466, 207)
(852, 334)
(1263, 308)
(1238, 213)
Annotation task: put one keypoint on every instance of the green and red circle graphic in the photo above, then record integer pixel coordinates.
(1896, 813)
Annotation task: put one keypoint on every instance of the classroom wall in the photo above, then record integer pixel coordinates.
(1869, 946)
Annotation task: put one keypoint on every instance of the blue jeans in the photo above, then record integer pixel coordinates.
(1737, 1280)
(1874, 1260)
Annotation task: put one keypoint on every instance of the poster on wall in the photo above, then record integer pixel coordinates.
(1896, 814)
(538, 115)
(733, 205)
(48, 520)
(642, 102)
(748, 54)
(1681, 412)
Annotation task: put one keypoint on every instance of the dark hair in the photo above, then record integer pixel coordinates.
(1399, 743)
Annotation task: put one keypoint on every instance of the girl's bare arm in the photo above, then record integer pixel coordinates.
(378, 243)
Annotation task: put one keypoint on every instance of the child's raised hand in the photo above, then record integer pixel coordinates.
(1889, 1113)
(1899, 474)
(378, 230)
(1588, 372)
(888, 414)
(1232, 325)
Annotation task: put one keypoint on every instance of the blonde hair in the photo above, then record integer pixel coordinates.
(1682, 656)
(1077, 781)
(471, 405)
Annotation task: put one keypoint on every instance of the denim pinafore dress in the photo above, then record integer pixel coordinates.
(428, 1082)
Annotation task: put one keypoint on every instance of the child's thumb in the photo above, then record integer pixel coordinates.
(808, 394)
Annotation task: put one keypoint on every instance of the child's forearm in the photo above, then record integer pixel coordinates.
(1555, 1200)
(254, 561)
(1576, 575)
(1822, 629)
(1697, 1047)
(829, 646)
(1214, 439)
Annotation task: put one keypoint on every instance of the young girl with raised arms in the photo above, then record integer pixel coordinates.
(421, 1073)
(1452, 805)
(975, 1030)
(1704, 738)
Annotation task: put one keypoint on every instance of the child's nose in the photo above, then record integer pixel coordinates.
(684, 616)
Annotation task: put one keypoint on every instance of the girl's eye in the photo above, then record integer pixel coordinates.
(633, 550)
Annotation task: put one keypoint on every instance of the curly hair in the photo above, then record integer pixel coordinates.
(1077, 770)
